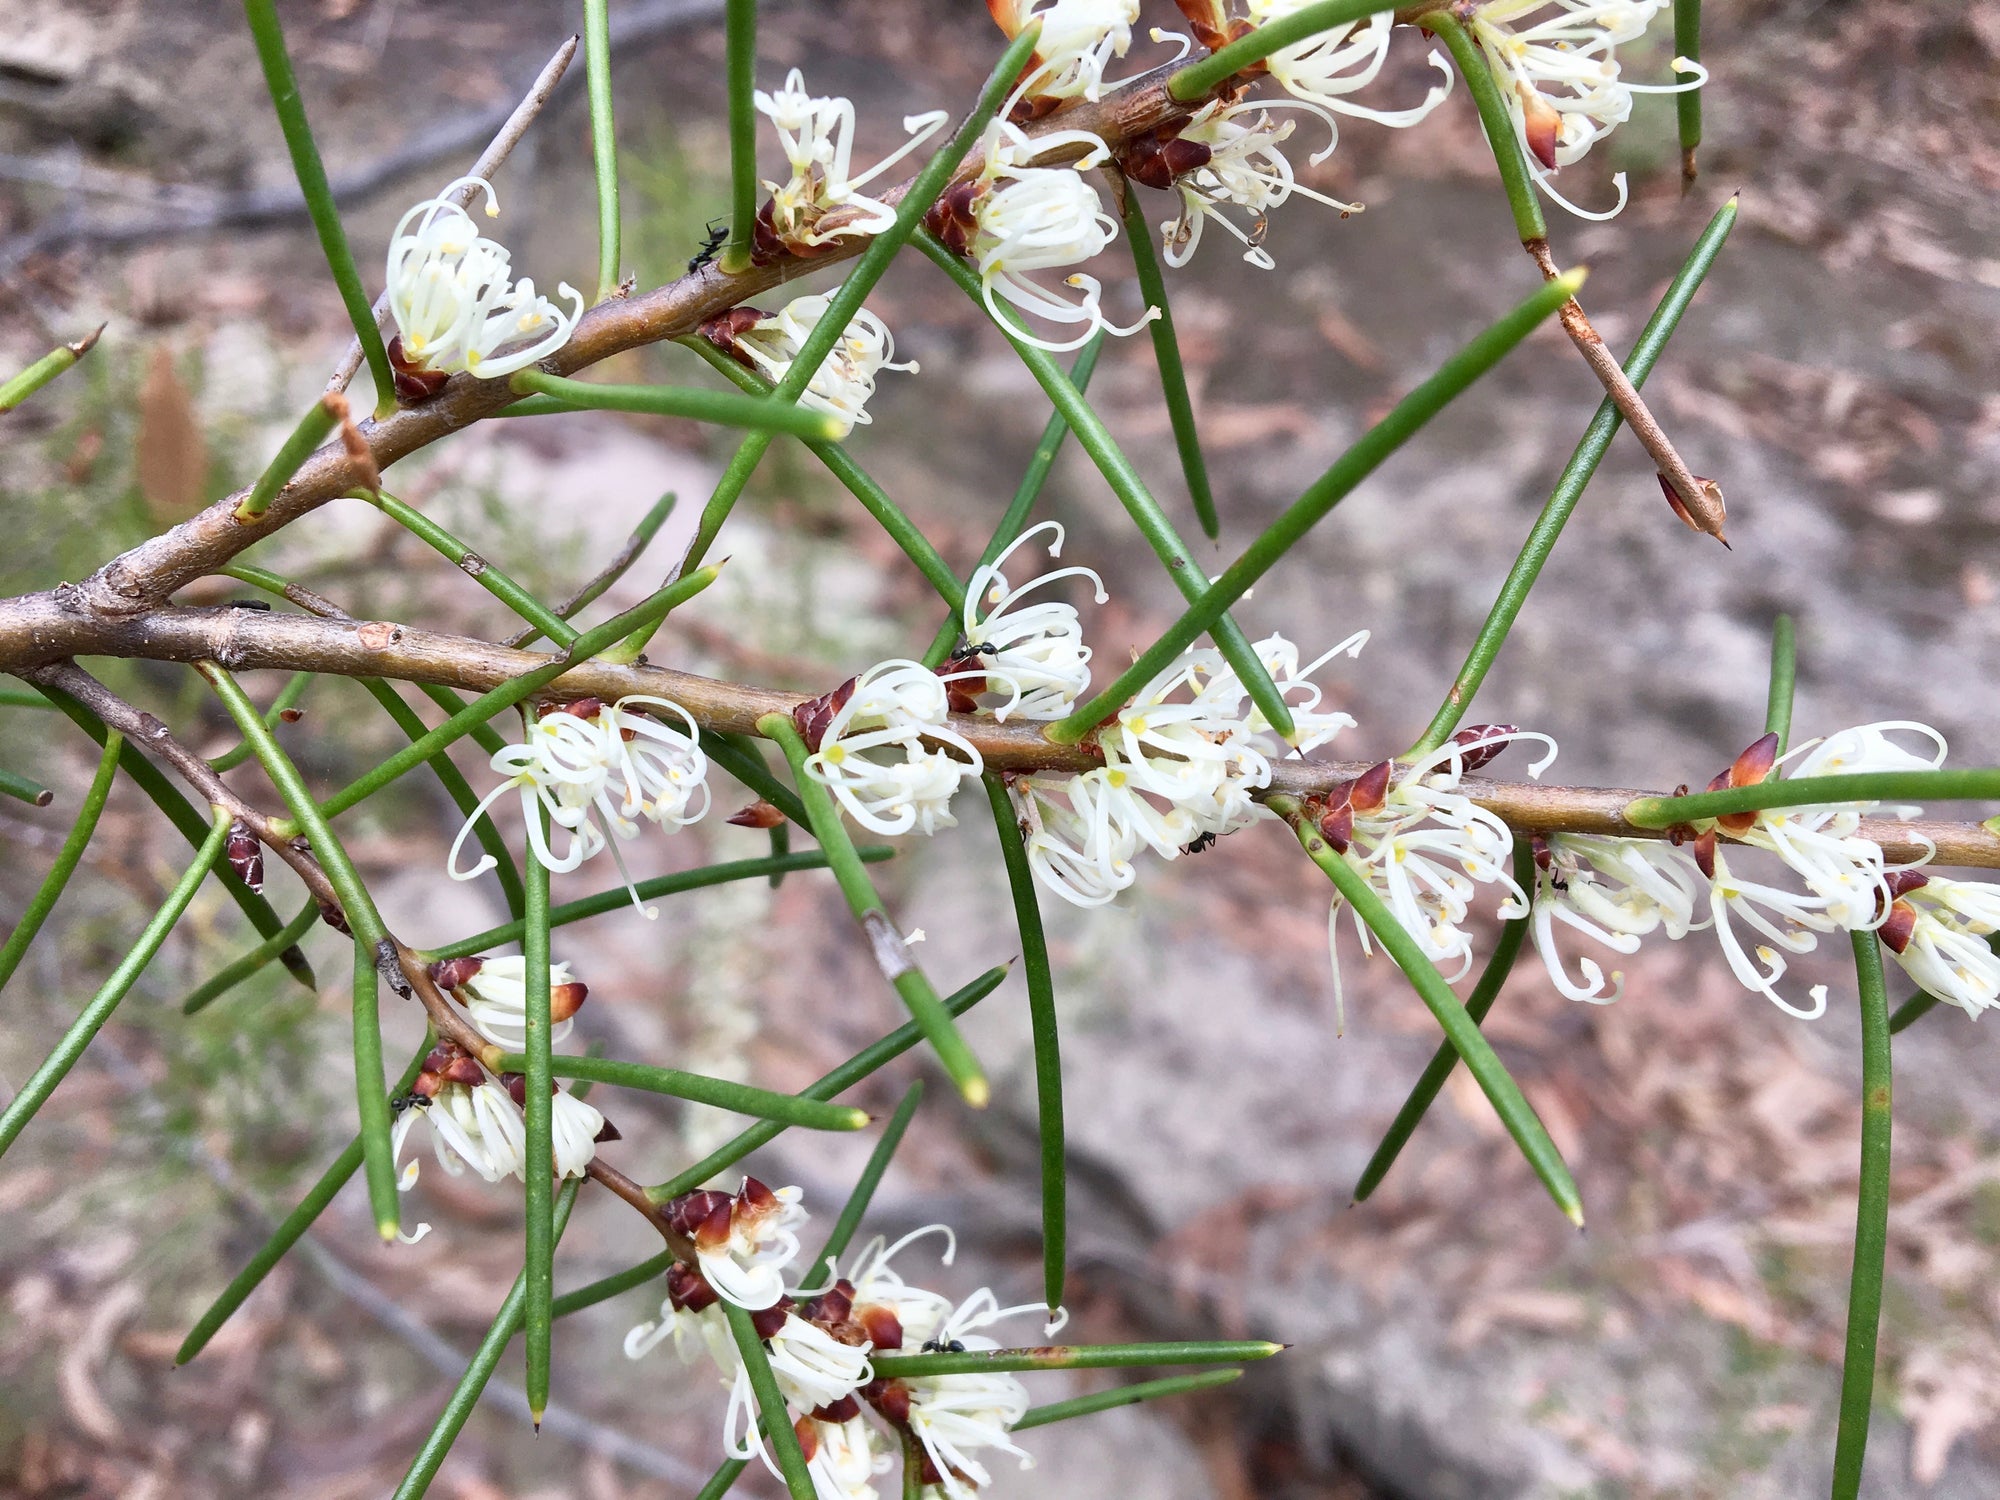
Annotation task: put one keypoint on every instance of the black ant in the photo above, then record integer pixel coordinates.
(984, 648)
(718, 236)
(262, 606)
(409, 1101)
(943, 1346)
(1201, 844)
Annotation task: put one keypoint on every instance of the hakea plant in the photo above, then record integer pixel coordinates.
(834, 1378)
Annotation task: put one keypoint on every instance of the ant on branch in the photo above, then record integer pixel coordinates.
(943, 1346)
(718, 236)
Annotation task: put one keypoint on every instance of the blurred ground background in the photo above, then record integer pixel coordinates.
(1452, 1337)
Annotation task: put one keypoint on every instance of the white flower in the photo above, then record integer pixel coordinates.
(575, 1126)
(821, 202)
(1426, 848)
(477, 1126)
(873, 756)
(1730, 896)
(454, 306)
(1037, 649)
(1186, 749)
(1018, 219)
(841, 1458)
(1559, 76)
(1325, 68)
(1312, 728)
(1245, 167)
(495, 997)
(1079, 834)
(878, 1289)
(1079, 39)
(602, 760)
(1940, 931)
(1615, 891)
(845, 379)
(954, 1416)
(745, 1243)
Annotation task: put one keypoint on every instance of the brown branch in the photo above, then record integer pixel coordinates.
(150, 572)
(249, 640)
(1697, 501)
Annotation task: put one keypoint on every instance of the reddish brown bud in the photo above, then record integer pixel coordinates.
(583, 708)
(725, 328)
(846, 1409)
(831, 1307)
(1481, 742)
(1902, 882)
(414, 384)
(759, 814)
(815, 716)
(1898, 928)
(952, 219)
(291, 715)
(1704, 853)
(966, 680)
(451, 973)
(891, 1398)
(883, 1327)
(688, 1290)
(807, 1433)
(702, 1215)
(565, 1000)
(1544, 855)
(1336, 826)
(607, 1132)
(1542, 125)
(1371, 787)
(754, 1194)
(246, 855)
(768, 1320)
(331, 914)
(1754, 764)
(517, 1087)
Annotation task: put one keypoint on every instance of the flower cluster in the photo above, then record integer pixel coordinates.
(769, 342)
(1181, 762)
(597, 770)
(884, 747)
(1078, 41)
(1424, 846)
(456, 308)
(1617, 891)
(821, 201)
(819, 1345)
(475, 1115)
(1559, 77)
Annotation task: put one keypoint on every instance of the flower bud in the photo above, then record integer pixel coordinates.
(759, 814)
(246, 855)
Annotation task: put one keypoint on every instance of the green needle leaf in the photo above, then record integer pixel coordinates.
(603, 141)
(51, 889)
(1132, 493)
(1167, 355)
(1871, 1223)
(789, 1109)
(1356, 464)
(314, 427)
(1196, 80)
(234, 973)
(486, 1359)
(306, 166)
(1980, 785)
(291, 1230)
(1048, 1049)
(778, 1429)
(369, 938)
(1784, 674)
(1687, 43)
(1501, 137)
(538, 1268)
(55, 1067)
(740, 25)
(48, 367)
(891, 956)
(1494, 1080)
(838, 1081)
(476, 566)
(1485, 991)
(1562, 502)
(1124, 1395)
(20, 787)
(722, 407)
(1071, 1357)
(660, 885)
